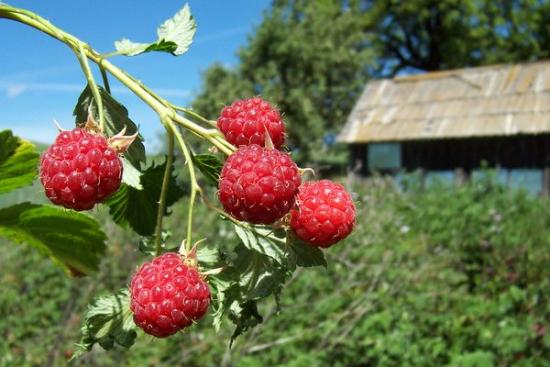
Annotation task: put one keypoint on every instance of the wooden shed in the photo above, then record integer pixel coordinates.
(453, 121)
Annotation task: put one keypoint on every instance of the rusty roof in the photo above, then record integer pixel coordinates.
(485, 101)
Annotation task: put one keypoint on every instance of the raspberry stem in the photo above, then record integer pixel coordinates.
(162, 107)
(194, 184)
(83, 60)
(195, 115)
(105, 79)
(163, 191)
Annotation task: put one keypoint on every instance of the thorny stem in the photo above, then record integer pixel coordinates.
(163, 191)
(83, 60)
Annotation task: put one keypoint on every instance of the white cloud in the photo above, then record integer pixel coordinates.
(56, 71)
(14, 90)
(221, 35)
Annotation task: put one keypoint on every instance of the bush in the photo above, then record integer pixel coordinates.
(451, 276)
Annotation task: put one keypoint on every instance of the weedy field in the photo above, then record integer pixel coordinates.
(443, 277)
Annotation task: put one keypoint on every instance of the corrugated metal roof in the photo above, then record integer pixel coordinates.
(486, 101)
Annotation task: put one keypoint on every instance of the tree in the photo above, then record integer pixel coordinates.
(430, 35)
(309, 59)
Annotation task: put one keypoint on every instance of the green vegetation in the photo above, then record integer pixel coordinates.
(446, 277)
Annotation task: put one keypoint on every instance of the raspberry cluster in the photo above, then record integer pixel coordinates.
(260, 185)
(80, 170)
(246, 121)
(168, 295)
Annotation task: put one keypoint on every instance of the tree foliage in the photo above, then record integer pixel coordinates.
(428, 35)
(308, 58)
(313, 58)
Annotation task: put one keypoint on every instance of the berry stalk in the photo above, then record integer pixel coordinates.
(163, 108)
(194, 183)
(83, 60)
(163, 191)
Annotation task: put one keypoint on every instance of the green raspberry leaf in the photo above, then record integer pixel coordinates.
(245, 316)
(259, 275)
(77, 248)
(148, 246)
(138, 208)
(130, 175)
(129, 48)
(209, 165)
(248, 277)
(175, 36)
(208, 257)
(116, 119)
(302, 254)
(262, 240)
(108, 322)
(18, 162)
(179, 29)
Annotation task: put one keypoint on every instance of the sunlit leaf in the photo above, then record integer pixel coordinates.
(209, 165)
(129, 48)
(302, 254)
(108, 322)
(138, 208)
(179, 29)
(130, 175)
(175, 36)
(263, 242)
(18, 162)
(73, 240)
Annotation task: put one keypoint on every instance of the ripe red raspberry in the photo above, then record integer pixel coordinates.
(324, 213)
(167, 295)
(246, 120)
(80, 170)
(258, 184)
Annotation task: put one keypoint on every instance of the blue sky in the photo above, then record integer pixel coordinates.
(40, 79)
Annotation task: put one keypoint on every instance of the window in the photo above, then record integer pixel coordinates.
(384, 156)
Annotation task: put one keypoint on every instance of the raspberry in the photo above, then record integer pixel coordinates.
(258, 184)
(80, 170)
(246, 120)
(324, 213)
(168, 295)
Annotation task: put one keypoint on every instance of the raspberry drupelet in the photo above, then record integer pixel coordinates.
(80, 170)
(258, 185)
(168, 295)
(245, 122)
(324, 213)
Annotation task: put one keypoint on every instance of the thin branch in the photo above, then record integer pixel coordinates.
(164, 191)
(105, 79)
(162, 107)
(83, 60)
(194, 183)
(195, 115)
